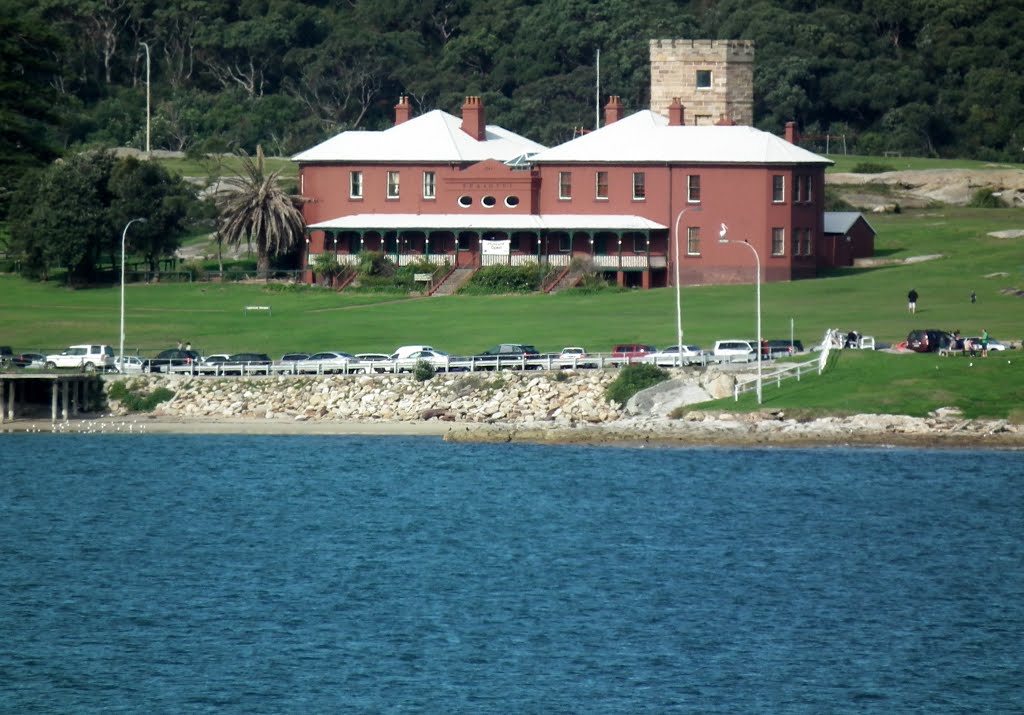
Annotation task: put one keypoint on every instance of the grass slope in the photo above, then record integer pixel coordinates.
(871, 300)
(863, 381)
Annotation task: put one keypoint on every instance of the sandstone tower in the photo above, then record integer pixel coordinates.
(711, 78)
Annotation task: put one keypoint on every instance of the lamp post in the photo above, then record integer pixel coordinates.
(679, 305)
(120, 347)
(147, 97)
(757, 263)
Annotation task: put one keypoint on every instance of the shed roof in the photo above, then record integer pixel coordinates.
(842, 221)
(646, 137)
(432, 137)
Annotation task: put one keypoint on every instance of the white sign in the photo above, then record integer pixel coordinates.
(425, 277)
(495, 248)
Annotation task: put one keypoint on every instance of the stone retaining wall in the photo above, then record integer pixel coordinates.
(562, 397)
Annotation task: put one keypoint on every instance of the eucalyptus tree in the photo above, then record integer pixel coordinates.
(256, 210)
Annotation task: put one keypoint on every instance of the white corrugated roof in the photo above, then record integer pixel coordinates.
(646, 137)
(432, 137)
(471, 222)
(842, 221)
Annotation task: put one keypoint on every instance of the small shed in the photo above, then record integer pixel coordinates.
(847, 236)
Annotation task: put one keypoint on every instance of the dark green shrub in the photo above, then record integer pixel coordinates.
(505, 279)
(135, 399)
(423, 371)
(632, 379)
(985, 198)
(871, 167)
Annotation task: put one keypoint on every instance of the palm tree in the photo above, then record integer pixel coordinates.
(254, 209)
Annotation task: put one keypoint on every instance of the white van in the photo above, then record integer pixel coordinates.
(401, 353)
(735, 351)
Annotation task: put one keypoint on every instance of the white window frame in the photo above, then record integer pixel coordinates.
(394, 189)
(778, 188)
(598, 185)
(693, 188)
(693, 240)
(355, 184)
(778, 241)
(642, 185)
(565, 185)
(429, 185)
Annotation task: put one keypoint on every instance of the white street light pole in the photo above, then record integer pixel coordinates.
(147, 97)
(120, 349)
(757, 263)
(679, 305)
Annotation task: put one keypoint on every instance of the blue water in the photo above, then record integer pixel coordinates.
(226, 574)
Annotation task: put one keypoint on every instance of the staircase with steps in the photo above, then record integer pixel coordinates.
(567, 280)
(455, 280)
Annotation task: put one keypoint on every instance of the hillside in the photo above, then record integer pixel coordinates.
(927, 187)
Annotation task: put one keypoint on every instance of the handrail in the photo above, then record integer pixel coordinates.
(558, 279)
(438, 284)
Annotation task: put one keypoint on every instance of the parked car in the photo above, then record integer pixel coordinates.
(439, 360)
(216, 359)
(85, 357)
(672, 356)
(172, 357)
(325, 362)
(33, 360)
(929, 341)
(574, 357)
(129, 364)
(508, 353)
(374, 362)
(247, 363)
(632, 352)
(975, 343)
(735, 350)
(404, 351)
(293, 357)
(784, 348)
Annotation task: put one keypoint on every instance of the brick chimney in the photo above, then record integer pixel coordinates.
(676, 113)
(403, 110)
(724, 121)
(473, 122)
(791, 132)
(613, 110)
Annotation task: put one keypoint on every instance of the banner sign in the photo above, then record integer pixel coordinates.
(495, 248)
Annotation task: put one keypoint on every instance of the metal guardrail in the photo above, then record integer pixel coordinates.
(550, 361)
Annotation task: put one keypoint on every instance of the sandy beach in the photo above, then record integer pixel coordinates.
(767, 432)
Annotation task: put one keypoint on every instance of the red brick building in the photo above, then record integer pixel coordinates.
(459, 192)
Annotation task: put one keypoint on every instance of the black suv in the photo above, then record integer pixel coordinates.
(784, 348)
(170, 358)
(508, 353)
(929, 341)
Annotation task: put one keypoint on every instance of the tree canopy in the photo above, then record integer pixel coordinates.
(939, 77)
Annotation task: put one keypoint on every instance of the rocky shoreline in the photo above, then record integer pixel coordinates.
(557, 408)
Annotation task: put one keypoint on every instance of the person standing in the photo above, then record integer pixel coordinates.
(974, 297)
(984, 343)
(912, 301)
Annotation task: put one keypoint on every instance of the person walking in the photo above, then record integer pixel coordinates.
(912, 301)
(984, 343)
(974, 297)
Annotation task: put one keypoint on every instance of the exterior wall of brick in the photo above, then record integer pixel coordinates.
(674, 68)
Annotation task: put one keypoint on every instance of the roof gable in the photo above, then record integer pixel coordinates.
(840, 222)
(646, 137)
(432, 137)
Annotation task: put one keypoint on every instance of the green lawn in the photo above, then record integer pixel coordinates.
(845, 163)
(872, 301)
(863, 381)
